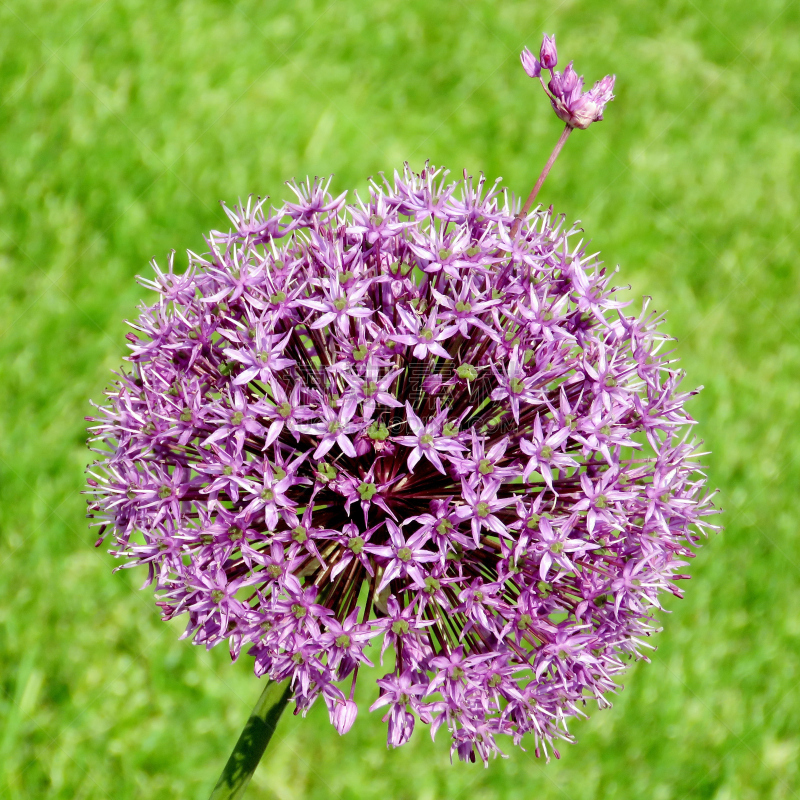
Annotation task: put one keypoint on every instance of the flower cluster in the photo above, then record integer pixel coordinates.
(391, 423)
(577, 108)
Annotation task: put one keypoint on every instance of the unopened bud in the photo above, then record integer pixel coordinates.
(547, 53)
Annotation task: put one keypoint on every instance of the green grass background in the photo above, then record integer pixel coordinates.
(122, 124)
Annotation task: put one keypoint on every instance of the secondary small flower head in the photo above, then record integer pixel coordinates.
(576, 108)
(389, 424)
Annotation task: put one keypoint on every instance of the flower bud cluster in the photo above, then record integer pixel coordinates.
(391, 424)
(576, 108)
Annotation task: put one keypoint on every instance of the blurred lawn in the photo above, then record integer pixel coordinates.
(121, 126)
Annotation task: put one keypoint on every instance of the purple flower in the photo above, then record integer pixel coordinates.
(424, 335)
(404, 557)
(530, 64)
(547, 53)
(402, 694)
(428, 441)
(578, 109)
(392, 419)
(334, 428)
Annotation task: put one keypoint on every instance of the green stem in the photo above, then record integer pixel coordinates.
(252, 742)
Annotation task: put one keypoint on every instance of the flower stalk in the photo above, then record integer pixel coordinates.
(547, 167)
(578, 109)
(252, 742)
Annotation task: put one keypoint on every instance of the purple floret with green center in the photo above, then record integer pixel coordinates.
(400, 426)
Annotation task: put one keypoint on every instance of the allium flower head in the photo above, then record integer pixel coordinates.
(389, 425)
